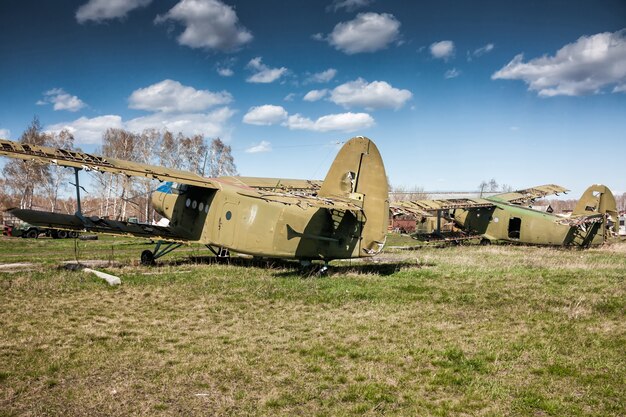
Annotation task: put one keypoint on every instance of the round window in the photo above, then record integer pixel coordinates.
(188, 202)
(206, 208)
(228, 215)
(201, 207)
(194, 204)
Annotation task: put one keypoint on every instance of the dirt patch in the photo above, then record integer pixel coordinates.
(17, 267)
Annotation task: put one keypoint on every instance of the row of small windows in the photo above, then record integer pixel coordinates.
(194, 204)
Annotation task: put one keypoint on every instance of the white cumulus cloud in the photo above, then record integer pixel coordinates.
(100, 10)
(442, 50)
(322, 77)
(262, 73)
(343, 122)
(88, 131)
(315, 95)
(209, 24)
(586, 66)
(210, 124)
(374, 95)
(61, 100)
(368, 32)
(265, 115)
(171, 96)
(5, 134)
(263, 146)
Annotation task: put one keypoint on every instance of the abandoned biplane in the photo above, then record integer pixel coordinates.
(345, 216)
(508, 217)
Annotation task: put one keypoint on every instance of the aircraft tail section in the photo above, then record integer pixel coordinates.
(358, 174)
(598, 199)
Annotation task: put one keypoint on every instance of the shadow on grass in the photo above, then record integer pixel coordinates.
(286, 267)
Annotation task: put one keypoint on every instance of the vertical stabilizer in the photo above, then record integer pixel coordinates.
(596, 199)
(358, 173)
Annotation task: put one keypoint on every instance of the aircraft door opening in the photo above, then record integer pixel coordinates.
(515, 225)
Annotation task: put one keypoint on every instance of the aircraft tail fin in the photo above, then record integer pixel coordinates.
(358, 174)
(598, 199)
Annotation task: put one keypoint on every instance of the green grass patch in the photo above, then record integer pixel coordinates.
(466, 330)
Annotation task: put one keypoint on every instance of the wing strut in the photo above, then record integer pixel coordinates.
(79, 211)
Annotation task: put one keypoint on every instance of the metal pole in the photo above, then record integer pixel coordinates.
(78, 208)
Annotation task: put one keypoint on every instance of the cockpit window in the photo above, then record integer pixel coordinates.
(179, 188)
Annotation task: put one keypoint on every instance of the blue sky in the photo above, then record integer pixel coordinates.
(453, 93)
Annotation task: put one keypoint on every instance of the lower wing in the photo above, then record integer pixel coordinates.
(96, 225)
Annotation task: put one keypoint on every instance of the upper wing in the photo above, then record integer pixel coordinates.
(426, 207)
(529, 195)
(87, 161)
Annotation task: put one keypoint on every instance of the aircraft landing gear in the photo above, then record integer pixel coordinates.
(309, 269)
(148, 257)
(220, 253)
(485, 242)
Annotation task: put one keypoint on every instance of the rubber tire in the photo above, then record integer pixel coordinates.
(147, 258)
(32, 234)
(72, 235)
(485, 242)
(62, 234)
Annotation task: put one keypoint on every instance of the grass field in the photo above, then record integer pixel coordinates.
(469, 330)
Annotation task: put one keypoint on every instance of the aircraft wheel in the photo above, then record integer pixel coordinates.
(62, 234)
(32, 234)
(147, 257)
(485, 242)
(72, 235)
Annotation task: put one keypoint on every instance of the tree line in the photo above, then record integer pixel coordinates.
(27, 184)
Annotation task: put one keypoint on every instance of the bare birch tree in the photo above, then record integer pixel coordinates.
(221, 161)
(58, 176)
(24, 178)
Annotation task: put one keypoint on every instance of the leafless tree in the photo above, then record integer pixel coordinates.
(24, 178)
(193, 153)
(119, 144)
(146, 150)
(169, 150)
(221, 161)
(492, 186)
(402, 193)
(58, 177)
